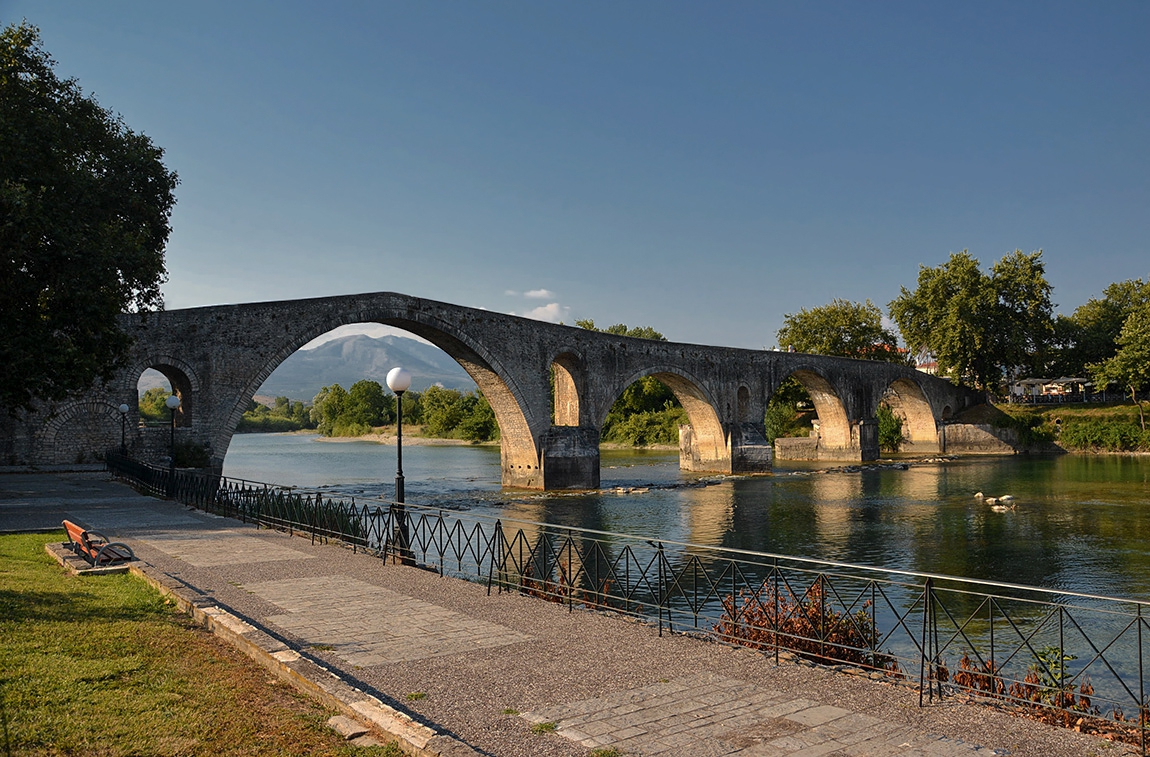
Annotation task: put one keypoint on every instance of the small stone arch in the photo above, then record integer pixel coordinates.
(906, 399)
(707, 437)
(81, 432)
(568, 375)
(185, 383)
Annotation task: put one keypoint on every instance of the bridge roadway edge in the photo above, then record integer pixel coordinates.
(800, 694)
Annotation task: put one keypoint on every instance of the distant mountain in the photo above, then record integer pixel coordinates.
(349, 359)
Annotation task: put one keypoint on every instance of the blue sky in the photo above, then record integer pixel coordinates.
(701, 168)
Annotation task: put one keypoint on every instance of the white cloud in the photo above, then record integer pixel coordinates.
(539, 294)
(552, 313)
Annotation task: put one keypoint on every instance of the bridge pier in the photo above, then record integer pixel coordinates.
(863, 445)
(744, 450)
(569, 458)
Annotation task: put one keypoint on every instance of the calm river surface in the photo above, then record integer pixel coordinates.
(1081, 523)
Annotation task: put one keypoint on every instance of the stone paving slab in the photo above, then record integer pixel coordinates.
(712, 715)
(206, 549)
(385, 627)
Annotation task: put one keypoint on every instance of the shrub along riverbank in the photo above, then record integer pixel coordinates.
(1112, 427)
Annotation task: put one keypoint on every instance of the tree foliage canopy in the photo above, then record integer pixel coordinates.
(977, 324)
(84, 209)
(1090, 335)
(621, 329)
(842, 329)
(1130, 366)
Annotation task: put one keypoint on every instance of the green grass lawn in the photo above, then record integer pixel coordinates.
(104, 665)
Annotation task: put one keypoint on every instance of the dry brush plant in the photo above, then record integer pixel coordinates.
(774, 617)
(1045, 694)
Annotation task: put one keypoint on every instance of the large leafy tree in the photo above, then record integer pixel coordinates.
(842, 329)
(327, 407)
(979, 324)
(1130, 366)
(367, 405)
(84, 210)
(1024, 323)
(1089, 336)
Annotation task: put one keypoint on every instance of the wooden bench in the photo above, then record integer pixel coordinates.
(94, 547)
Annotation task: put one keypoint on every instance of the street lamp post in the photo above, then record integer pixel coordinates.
(399, 381)
(123, 429)
(173, 403)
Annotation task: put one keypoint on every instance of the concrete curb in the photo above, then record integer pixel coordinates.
(314, 680)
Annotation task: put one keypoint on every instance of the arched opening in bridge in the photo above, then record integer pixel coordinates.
(805, 418)
(566, 381)
(334, 383)
(664, 407)
(158, 382)
(647, 412)
(910, 426)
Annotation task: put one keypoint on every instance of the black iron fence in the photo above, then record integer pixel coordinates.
(1067, 657)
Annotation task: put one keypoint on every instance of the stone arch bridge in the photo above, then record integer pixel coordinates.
(217, 357)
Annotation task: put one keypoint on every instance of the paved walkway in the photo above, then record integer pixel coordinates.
(509, 675)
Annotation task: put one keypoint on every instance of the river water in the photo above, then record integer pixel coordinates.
(1080, 523)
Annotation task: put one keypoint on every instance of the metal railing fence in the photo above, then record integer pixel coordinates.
(1067, 657)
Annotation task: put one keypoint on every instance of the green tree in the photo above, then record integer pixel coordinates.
(478, 424)
(1130, 366)
(367, 405)
(978, 324)
(327, 407)
(152, 407)
(84, 209)
(442, 410)
(621, 329)
(412, 409)
(1024, 312)
(890, 438)
(1090, 335)
(843, 329)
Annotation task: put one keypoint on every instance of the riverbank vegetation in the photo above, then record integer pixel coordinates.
(436, 412)
(104, 665)
(283, 415)
(1078, 427)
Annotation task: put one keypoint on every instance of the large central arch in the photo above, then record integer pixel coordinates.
(520, 455)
